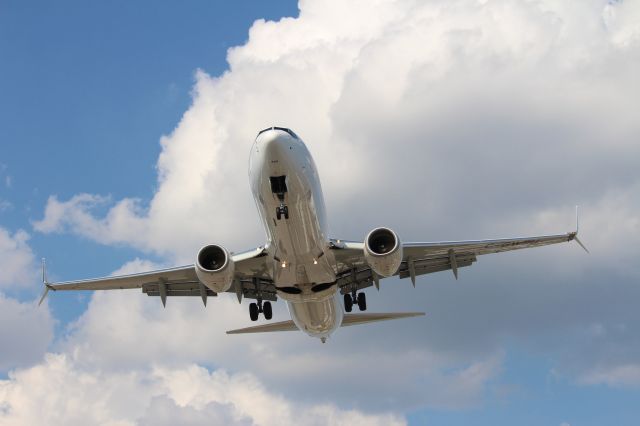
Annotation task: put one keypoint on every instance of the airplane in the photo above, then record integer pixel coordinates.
(299, 263)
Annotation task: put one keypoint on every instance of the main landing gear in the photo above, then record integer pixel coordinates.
(255, 309)
(355, 298)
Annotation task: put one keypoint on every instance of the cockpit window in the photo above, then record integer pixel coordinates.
(284, 129)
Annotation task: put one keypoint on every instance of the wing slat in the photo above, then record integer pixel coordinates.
(183, 281)
(427, 258)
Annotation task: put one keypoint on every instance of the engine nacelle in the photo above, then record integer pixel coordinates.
(215, 268)
(383, 251)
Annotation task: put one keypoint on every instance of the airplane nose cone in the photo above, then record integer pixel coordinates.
(273, 142)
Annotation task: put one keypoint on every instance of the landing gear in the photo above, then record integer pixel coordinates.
(256, 308)
(282, 211)
(279, 187)
(253, 311)
(266, 309)
(362, 302)
(348, 302)
(355, 298)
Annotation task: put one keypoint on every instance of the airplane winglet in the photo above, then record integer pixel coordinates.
(45, 282)
(575, 234)
(580, 244)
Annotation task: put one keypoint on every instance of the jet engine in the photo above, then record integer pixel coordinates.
(383, 251)
(215, 268)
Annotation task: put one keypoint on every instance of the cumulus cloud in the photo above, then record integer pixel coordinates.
(59, 392)
(444, 120)
(5, 205)
(25, 333)
(619, 375)
(186, 332)
(16, 260)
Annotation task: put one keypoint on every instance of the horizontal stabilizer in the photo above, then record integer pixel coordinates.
(355, 319)
(264, 328)
(349, 319)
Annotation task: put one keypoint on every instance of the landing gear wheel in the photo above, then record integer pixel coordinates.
(253, 311)
(286, 212)
(362, 301)
(266, 310)
(348, 303)
(278, 213)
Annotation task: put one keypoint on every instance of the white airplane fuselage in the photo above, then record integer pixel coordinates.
(283, 173)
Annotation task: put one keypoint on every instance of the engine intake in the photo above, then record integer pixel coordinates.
(215, 268)
(383, 251)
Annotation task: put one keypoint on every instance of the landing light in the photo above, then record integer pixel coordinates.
(284, 264)
(315, 262)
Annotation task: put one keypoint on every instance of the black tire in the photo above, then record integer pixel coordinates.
(267, 311)
(253, 311)
(348, 303)
(362, 301)
(286, 212)
(278, 213)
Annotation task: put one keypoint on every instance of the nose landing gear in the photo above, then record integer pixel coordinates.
(279, 187)
(282, 211)
(355, 298)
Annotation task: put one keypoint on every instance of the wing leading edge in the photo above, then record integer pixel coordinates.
(421, 258)
(251, 280)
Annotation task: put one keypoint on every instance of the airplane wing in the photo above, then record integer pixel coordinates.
(429, 257)
(251, 280)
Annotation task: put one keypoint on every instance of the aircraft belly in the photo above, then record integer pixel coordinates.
(317, 318)
(298, 244)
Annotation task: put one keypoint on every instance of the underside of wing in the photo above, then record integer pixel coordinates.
(424, 258)
(480, 247)
(179, 275)
(251, 280)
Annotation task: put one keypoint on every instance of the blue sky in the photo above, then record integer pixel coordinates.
(455, 120)
(71, 123)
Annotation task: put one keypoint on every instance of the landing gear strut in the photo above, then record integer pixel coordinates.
(355, 298)
(255, 309)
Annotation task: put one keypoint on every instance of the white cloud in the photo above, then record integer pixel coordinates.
(523, 78)
(444, 120)
(618, 375)
(5, 205)
(25, 333)
(186, 332)
(58, 392)
(17, 261)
